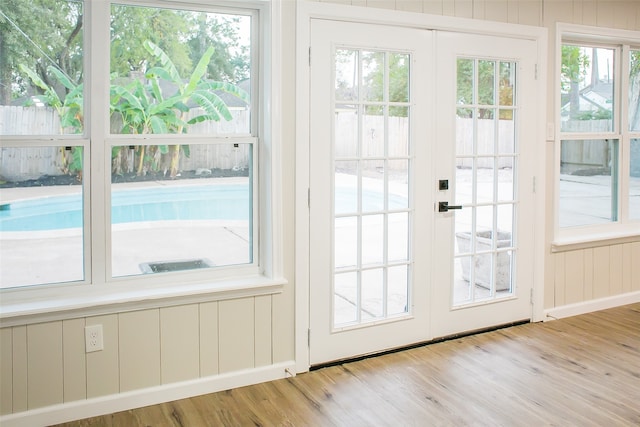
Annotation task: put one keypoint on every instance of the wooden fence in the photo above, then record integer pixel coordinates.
(24, 163)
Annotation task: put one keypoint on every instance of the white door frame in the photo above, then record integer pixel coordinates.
(315, 10)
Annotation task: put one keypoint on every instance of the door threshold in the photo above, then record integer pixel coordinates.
(418, 344)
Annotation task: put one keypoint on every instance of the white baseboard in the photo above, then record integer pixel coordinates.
(65, 412)
(591, 306)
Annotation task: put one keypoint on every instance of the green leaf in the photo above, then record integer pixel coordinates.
(167, 64)
(202, 118)
(158, 125)
(228, 88)
(199, 71)
(51, 96)
(212, 104)
(160, 73)
(125, 94)
(186, 150)
(156, 91)
(164, 149)
(61, 77)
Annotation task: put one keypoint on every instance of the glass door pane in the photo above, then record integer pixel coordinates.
(486, 163)
(371, 215)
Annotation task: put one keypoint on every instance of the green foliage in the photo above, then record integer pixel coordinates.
(41, 35)
(144, 109)
(573, 67)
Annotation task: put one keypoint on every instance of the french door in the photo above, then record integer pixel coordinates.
(486, 146)
(369, 278)
(386, 269)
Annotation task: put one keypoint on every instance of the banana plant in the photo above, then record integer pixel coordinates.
(145, 108)
(70, 112)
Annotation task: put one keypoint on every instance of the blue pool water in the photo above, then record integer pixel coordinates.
(206, 202)
(156, 204)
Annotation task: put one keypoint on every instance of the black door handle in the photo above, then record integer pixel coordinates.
(444, 207)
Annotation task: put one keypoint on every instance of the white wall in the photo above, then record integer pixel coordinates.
(45, 364)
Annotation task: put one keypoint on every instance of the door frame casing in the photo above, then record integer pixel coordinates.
(306, 11)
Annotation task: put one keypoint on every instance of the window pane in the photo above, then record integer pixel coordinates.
(634, 90)
(41, 90)
(41, 216)
(177, 71)
(202, 218)
(346, 84)
(634, 180)
(486, 82)
(587, 82)
(398, 77)
(372, 76)
(465, 87)
(588, 182)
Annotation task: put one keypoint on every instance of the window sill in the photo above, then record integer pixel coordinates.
(76, 301)
(595, 239)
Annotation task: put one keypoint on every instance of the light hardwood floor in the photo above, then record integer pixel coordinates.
(579, 371)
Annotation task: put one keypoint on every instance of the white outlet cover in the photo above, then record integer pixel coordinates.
(93, 338)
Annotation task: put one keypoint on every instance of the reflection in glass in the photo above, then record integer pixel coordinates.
(588, 182)
(41, 216)
(159, 225)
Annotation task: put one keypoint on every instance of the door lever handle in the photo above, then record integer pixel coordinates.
(445, 207)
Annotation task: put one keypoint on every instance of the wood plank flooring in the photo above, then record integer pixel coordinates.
(579, 371)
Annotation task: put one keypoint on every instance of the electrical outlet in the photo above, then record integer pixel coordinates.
(93, 339)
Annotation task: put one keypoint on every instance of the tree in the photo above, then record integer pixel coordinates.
(573, 70)
(39, 34)
(43, 33)
(132, 25)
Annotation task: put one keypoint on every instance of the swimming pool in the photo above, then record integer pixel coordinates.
(198, 202)
(194, 202)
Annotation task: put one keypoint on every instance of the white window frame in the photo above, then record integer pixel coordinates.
(624, 229)
(99, 293)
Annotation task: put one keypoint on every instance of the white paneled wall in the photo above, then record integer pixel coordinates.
(594, 273)
(46, 364)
